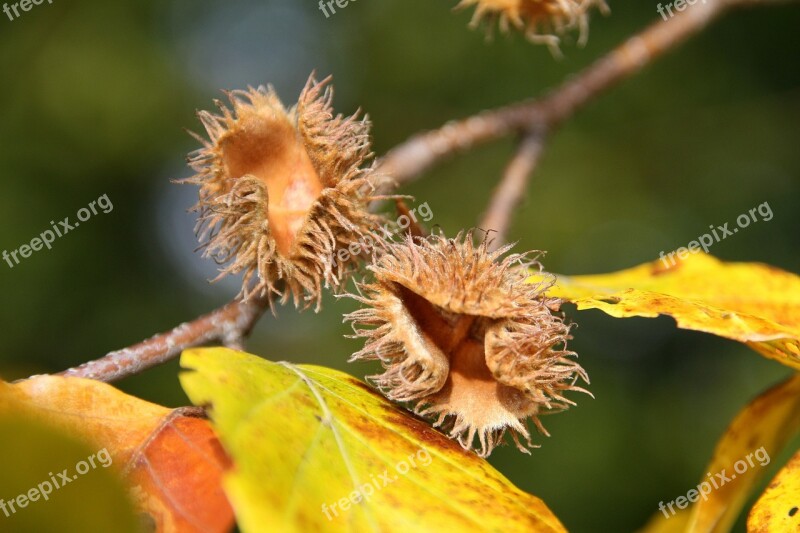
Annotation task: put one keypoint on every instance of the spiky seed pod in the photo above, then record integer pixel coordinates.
(281, 190)
(542, 21)
(464, 338)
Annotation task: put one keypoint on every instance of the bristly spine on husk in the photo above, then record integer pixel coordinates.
(463, 337)
(281, 190)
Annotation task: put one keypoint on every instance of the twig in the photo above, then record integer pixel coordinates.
(410, 159)
(229, 324)
(512, 187)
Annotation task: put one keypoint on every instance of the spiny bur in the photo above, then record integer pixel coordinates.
(465, 338)
(281, 190)
(542, 21)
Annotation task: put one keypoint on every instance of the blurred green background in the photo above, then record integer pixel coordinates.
(97, 95)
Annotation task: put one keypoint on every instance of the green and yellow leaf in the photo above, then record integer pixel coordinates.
(751, 303)
(317, 450)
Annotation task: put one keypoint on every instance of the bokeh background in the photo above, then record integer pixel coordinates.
(96, 96)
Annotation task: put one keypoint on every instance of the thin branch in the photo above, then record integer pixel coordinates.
(511, 189)
(229, 324)
(412, 158)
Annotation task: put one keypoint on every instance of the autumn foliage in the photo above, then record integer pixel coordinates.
(470, 339)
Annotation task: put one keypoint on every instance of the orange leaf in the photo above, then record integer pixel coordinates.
(171, 459)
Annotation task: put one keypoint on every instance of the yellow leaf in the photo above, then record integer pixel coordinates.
(778, 509)
(749, 302)
(316, 450)
(172, 463)
(757, 434)
(675, 524)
